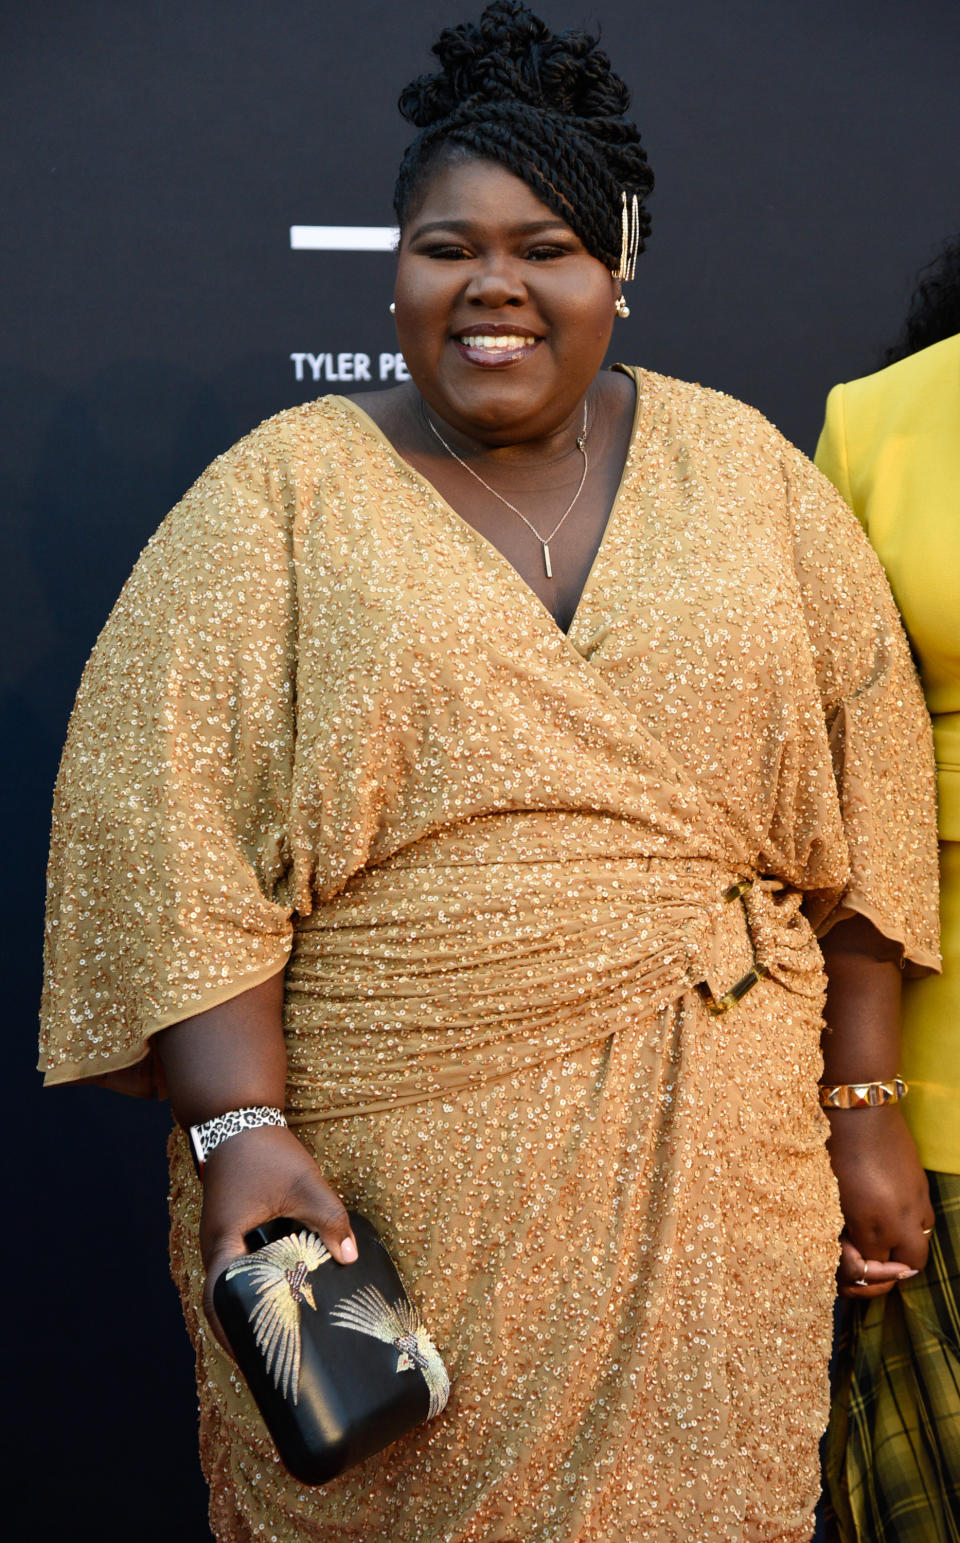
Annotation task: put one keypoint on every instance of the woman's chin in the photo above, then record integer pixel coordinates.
(496, 401)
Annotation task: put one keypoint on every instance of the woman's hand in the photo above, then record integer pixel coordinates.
(883, 1188)
(251, 1178)
(233, 1057)
(884, 1197)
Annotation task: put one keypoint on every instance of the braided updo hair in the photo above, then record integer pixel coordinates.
(546, 106)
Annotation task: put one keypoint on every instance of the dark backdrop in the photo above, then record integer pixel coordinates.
(155, 155)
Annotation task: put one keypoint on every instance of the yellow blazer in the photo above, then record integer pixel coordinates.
(891, 445)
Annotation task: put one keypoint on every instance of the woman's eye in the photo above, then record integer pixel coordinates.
(447, 252)
(540, 254)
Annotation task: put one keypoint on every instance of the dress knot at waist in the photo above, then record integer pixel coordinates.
(422, 977)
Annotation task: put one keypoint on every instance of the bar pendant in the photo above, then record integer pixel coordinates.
(546, 560)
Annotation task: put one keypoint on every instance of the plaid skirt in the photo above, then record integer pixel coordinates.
(892, 1452)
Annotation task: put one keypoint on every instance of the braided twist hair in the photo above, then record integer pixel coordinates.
(546, 106)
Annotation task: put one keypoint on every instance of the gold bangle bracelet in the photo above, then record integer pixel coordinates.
(862, 1095)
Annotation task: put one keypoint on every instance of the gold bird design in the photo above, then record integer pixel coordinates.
(278, 1274)
(367, 1311)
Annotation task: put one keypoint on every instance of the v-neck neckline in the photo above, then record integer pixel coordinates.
(493, 552)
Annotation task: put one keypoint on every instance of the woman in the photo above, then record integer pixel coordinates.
(447, 759)
(890, 445)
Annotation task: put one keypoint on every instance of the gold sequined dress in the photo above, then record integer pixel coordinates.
(329, 724)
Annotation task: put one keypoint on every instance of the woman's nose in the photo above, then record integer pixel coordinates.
(499, 282)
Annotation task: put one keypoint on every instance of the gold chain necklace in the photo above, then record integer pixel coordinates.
(543, 540)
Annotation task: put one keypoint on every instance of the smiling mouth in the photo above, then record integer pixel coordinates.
(493, 349)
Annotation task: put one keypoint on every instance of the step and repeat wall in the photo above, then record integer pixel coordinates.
(171, 174)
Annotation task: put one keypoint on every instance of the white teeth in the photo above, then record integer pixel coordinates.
(499, 343)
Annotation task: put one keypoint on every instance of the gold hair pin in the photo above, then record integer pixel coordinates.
(630, 237)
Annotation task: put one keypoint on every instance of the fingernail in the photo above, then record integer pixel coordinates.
(906, 1274)
(348, 1252)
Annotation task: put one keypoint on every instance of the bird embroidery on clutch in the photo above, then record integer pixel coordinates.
(279, 1273)
(369, 1312)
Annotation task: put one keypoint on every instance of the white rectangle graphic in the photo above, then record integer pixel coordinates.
(343, 238)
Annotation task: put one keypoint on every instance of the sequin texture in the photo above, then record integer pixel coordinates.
(328, 723)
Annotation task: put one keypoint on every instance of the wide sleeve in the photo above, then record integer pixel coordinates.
(169, 854)
(879, 730)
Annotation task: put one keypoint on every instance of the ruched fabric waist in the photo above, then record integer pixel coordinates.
(498, 945)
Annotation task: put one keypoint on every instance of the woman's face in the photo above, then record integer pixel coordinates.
(502, 314)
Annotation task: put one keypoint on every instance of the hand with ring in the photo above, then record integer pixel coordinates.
(862, 1278)
(885, 1200)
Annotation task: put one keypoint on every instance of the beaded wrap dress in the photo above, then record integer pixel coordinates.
(329, 726)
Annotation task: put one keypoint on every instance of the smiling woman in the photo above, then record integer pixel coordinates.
(513, 267)
(504, 318)
(465, 771)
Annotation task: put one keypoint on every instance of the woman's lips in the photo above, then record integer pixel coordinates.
(494, 350)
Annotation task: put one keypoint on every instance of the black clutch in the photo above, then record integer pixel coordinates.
(335, 1355)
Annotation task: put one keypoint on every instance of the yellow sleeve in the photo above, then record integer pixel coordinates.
(879, 730)
(831, 452)
(169, 852)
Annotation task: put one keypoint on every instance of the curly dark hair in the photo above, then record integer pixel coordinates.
(545, 105)
(934, 312)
